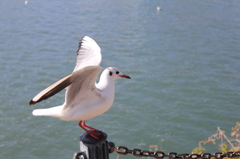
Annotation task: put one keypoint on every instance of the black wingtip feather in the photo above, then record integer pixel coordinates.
(80, 44)
(32, 102)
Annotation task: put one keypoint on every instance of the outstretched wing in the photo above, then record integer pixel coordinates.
(88, 54)
(84, 88)
(88, 74)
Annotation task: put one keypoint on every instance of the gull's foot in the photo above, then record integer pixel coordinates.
(94, 133)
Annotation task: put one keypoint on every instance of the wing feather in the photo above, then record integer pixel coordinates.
(84, 87)
(88, 53)
(64, 82)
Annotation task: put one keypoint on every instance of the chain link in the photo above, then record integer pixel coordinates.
(122, 150)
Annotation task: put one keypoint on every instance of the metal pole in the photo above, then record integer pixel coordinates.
(91, 148)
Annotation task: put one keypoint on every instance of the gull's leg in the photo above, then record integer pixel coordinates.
(80, 124)
(93, 133)
(84, 124)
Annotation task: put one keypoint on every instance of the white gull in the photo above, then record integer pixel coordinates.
(84, 98)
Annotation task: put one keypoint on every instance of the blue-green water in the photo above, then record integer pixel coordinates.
(184, 61)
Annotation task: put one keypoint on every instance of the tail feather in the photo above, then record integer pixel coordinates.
(54, 112)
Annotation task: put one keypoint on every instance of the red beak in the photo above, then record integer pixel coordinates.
(125, 76)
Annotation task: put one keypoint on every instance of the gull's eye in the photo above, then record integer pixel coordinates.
(117, 72)
(110, 73)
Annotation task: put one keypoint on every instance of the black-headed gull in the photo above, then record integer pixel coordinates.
(84, 98)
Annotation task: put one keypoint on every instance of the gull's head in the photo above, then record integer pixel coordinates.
(114, 73)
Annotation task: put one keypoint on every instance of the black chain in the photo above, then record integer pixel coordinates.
(122, 150)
